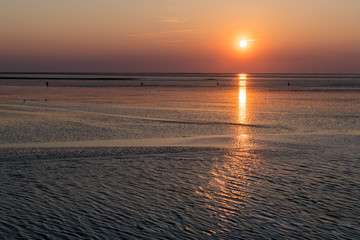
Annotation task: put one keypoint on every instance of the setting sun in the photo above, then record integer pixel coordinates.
(243, 43)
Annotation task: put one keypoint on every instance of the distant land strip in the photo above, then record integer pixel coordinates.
(70, 78)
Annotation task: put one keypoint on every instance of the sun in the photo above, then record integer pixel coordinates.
(243, 43)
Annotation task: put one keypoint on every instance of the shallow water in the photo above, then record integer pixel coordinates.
(180, 157)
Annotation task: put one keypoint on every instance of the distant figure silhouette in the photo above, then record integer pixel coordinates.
(47, 84)
(217, 84)
(288, 84)
(141, 84)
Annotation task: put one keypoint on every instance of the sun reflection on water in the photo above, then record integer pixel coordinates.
(242, 137)
(232, 182)
(235, 175)
(242, 98)
(242, 76)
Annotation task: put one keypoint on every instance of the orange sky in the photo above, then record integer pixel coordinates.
(180, 36)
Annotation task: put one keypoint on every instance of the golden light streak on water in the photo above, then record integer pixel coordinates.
(232, 178)
(242, 98)
(242, 76)
(233, 181)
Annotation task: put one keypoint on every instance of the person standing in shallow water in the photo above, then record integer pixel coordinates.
(47, 84)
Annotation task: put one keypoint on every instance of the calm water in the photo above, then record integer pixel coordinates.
(179, 156)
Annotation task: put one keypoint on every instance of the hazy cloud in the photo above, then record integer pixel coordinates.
(173, 20)
(155, 34)
(168, 41)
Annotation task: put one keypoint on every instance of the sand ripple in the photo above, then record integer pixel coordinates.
(179, 192)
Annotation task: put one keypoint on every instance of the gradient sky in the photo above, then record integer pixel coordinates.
(180, 36)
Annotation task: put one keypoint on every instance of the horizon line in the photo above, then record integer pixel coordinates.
(140, 72)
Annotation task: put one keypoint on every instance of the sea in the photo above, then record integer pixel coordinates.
(179, 156)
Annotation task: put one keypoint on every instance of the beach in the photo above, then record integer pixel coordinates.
(179, 156)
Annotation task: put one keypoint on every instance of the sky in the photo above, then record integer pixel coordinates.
(308, 36)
